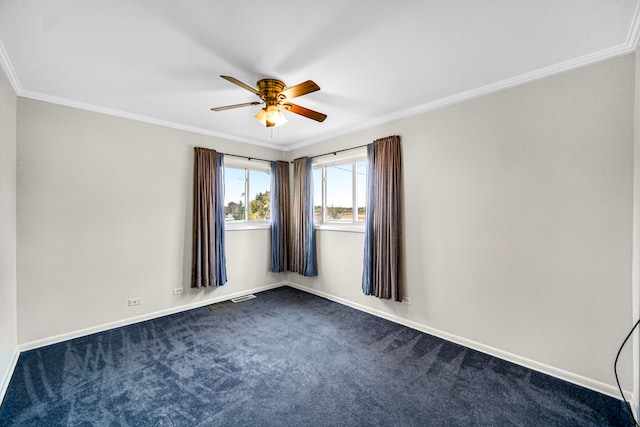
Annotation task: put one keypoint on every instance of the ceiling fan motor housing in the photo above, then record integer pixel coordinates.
(269, 90)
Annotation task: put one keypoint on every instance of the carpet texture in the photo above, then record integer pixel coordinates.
(286, 358)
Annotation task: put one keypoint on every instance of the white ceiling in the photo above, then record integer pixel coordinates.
(160, 60)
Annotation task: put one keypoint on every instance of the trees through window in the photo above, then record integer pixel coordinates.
(247, 192)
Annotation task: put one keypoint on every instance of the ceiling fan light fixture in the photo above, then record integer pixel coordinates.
(261, 116)
(275, 116)
(270, 116)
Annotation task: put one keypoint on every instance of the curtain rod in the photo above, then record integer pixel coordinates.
(313, 157)
(336, 152)
(248, 157)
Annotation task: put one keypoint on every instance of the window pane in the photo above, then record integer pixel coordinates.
(362, 189)
(340, 193)
(317, 194)
(234, 187)
(260, 195)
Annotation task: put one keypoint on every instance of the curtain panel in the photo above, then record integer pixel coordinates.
(280, 216)
(303, 232)
(209, 262)
(382, 269)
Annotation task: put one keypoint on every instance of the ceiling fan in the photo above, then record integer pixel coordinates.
(276, 95)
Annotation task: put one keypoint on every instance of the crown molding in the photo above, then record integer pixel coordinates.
(12, 77)
(634, 31)
(140, 118)
(9, 71)
(522, 79)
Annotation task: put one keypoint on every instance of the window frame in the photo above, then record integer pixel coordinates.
(247, 166)
(352, 157)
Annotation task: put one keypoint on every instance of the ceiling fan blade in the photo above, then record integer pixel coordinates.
(314, 115)
(242, 85)
(300, 89)
(230, 107)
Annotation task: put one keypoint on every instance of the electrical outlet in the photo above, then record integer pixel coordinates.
(178, 291)
(406, 300)
(135, 301)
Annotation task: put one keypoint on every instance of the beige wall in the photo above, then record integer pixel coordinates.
(104, 215)
(8, 281)
(518, 219)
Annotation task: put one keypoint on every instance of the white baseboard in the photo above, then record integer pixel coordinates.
(589, 383)
(131, 320)
(571, 377)
(6, 376)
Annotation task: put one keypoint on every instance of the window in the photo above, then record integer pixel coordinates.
(247, 191)
(340, 190)
(361, 199)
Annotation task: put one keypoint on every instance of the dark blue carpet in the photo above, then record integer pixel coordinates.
(286, 358)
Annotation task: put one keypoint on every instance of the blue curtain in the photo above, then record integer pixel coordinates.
(303, 235)
(368, 225)
(382, 269)
(280, 216)
(209, 263)
(221, 260)
(310, 267)
(276, 241)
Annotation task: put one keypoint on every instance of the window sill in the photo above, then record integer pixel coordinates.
(247, 226)
(348, 228)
